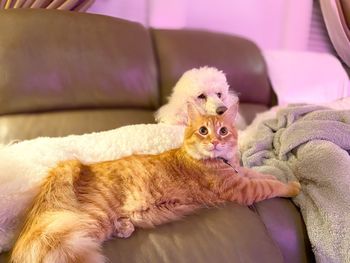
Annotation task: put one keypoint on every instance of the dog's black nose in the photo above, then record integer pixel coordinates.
(220, 110)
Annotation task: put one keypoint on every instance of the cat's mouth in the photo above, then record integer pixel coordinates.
(209, 151)
(213, 151)
(216, 147)
(217, 151)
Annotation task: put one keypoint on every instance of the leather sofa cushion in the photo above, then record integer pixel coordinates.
(54, 60)
(240, 59)
(230, 234)
(270, 231)
(53, 124)
(250, 110)
(286, 228)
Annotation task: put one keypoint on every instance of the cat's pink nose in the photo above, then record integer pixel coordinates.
(215, 142)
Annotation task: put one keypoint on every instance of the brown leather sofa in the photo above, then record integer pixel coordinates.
(71, 73)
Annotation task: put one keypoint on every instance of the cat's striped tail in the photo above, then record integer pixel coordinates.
(57, 237)
(56, 232)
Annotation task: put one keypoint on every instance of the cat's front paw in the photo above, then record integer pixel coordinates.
(294, 188)
(124, 228)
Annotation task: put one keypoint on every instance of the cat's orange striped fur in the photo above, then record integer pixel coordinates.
(79, 206)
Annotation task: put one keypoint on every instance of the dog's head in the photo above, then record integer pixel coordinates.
(206, 87)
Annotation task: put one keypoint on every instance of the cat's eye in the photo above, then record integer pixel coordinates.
(223, 131)
(219, 95)
(202, 96)
(203, 130)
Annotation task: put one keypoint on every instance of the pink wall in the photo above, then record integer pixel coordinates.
(258, 20)
(135, 10)
(168, 13)
(272, 24)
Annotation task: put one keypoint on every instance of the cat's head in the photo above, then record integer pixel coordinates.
(211, 136)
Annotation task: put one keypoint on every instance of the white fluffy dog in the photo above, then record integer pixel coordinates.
(205, 87)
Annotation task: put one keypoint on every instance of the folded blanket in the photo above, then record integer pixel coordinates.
(310, 144)
(23, 165)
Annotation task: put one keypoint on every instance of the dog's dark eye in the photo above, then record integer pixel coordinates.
(203, 130)
(223, 131)
(219, 95)
(202, 97)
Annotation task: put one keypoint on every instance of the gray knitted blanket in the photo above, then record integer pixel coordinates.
(310, 144)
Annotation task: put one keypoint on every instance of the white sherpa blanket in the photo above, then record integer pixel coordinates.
(25, 164)
(310, 144)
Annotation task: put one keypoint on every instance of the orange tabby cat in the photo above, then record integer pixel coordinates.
(79, 206)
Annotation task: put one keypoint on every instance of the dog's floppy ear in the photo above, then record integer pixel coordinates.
(231, 112)
(192, 113)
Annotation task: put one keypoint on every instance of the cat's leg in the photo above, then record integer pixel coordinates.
(246, 191)
(234, 162)
(123, 227)
(250, 173)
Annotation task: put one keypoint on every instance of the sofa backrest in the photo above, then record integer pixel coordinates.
(57, 60)
(66, 73)
(239, 58)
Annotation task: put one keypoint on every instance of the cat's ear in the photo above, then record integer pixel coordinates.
(231, 112)
(192, 112)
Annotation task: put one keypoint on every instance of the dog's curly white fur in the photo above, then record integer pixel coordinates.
(205, 87)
